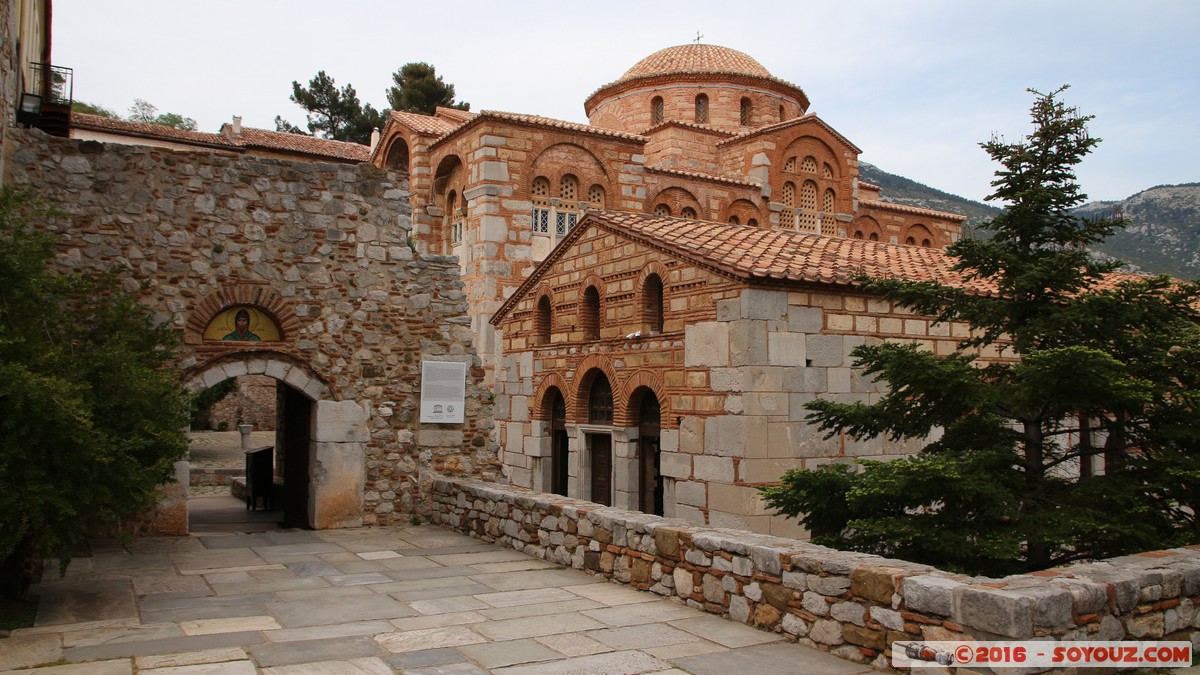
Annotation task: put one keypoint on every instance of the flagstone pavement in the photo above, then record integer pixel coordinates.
(381, 600)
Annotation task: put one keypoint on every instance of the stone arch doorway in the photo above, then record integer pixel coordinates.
(319, 442)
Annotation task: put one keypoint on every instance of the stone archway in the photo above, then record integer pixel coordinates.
(320, 442)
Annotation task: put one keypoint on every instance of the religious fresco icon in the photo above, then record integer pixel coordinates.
(242, 323)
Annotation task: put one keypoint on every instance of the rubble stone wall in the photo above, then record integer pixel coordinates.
(323, 250)
(851, 604)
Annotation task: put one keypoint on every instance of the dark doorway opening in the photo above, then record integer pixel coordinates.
(218, 501)
(559, 446)
(650, 492)
(292, 448)
(601, 455)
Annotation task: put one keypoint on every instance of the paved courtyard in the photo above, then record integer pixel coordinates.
(382, 600)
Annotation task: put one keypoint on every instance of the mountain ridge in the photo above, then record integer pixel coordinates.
(1161, 236)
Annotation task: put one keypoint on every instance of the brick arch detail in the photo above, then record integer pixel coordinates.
(867, 225)
(584, 374)
(676, 197)
(744, 209)
(282, 367)
(796, 146)
(258, 296)
(917, 231)
(552, 381)
(628, 413)
(587, 173)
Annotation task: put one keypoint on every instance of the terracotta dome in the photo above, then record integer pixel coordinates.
(696, 58)
(737, 92)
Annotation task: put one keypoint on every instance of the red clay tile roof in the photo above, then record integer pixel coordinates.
(770, 256)
(702, 176)
(688, 125)
(763, 255)
(425, 124)
(460, 116)
(810, 118)
(904, 208)
(156, 131)
(868, 186)
(767, 254)
(299, 144)
(696, 58)
(538, 120)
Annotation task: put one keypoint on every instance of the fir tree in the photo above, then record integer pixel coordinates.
(1079, 443)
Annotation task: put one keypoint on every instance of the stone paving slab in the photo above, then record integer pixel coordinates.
(777, 658)
(307, 651)
(382, 600)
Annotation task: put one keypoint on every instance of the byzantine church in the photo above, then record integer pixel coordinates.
(657, 293)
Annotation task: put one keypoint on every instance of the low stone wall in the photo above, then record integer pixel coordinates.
(852, 604)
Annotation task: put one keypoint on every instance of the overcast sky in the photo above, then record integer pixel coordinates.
(915, 84)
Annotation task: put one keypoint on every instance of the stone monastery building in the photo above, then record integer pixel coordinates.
(660, 361)
(643, 304)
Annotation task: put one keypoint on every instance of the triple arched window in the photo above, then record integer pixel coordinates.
(556, 216)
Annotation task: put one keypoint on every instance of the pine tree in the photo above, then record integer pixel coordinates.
(418, 88)
(333, 113)
(1079, 443)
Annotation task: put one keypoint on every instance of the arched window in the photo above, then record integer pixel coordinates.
(596, 196)
(745, 116)
(788, 195)
(790, 165)
(397, 156)
(566, 213)
(453, 218)
(858, 234)
(809, 165)
(568, 187)
(733, 220)
(752, 222)
(910, 241)
(874, 237)
(652, 304)
(926, 243)
(600, 401)
(662, 211)
(702, 109)
(589, 318)
(807, 218)
(826, 170)
(543, 321)
(539, 193)
(781, 118)
(688, 212)
(656, 110)
(830, 198)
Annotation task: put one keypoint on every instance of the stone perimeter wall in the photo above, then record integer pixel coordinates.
(851, 604)
(321, 247)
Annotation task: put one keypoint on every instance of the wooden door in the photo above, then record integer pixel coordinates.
(601, 452)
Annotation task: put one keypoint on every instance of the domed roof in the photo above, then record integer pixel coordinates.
(696, 58)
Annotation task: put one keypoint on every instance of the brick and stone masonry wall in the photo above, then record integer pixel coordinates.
(851, 604)
(253, 402)
(322, 247)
